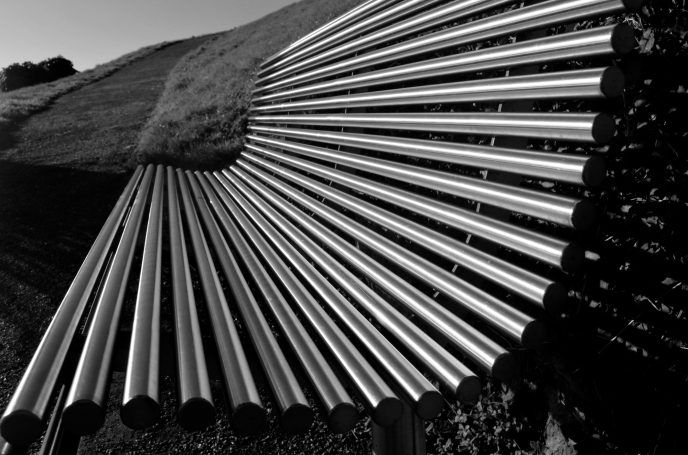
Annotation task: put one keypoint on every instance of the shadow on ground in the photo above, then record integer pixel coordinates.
(49, 217)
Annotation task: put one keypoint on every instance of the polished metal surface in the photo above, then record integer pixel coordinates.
(552, 12)
(296, 415)
(195, 401)
(569, 168)
(547, 249)
(341, 412)
(611, 40)
(248, 416)
(563, 210)
(84, 409)
(355, 14)
(512, 322)
(486, 354)
(318, 53)
(579, 84)
(445, 367)
(414, 387)
(392, 13)
(582, 127)
(24, 417)
(382, 403)
(141, 401)
(535, 288)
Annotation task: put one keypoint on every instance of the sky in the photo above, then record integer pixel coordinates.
(89, 32)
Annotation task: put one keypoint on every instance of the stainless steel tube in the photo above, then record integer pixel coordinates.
(196, 409)
(391, 15)
(510, 321)
(341, 412)
(353, 15)
(616, 39)
(558, 209)
(544, 292)
(541, 15)
(582, 127)
(84, 411)
(446, 368)
(296, 415)
(248, 414)
(398, 29)
(567, 256)
(141, 401)
(423, 398)
(382, 403)
(484, 352)
(587, 83)
(26, 413)
(569, 168)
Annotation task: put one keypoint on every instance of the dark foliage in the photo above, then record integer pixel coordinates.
(18, 75)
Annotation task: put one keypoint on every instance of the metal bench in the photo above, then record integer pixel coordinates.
(386, 225)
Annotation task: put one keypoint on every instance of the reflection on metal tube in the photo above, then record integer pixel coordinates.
(24, 417)
(487, 354)
(248, 414)
(350, 17)
(341, 412)
(541, 15)
(454, 375)
(510, 321)
(588, 83)
(384, 406)
(541, 291)
(576, 169)
(141, 404)
(296, 415)
(583, 127)
(196, 408)
(396, 29)
(615, 39)
(84, 410)
(425, 400)
(559, 209)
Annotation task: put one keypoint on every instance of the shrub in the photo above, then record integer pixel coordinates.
(18, 75)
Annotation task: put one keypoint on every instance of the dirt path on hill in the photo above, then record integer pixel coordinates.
(96, 128)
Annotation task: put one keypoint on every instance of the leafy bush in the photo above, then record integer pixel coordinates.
(18, 75)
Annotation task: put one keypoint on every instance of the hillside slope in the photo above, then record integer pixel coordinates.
(96, 127)
(200, 119)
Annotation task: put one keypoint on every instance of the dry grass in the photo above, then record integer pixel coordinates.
(200, 119)
(20, 104)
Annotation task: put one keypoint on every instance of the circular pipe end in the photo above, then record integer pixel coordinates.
(594, 171)
(20, 428)
(342, 417)
(603, 128)
(387, 411)
(249, 418)
(469, 389)
(196, 414)
(429, 405)
(297, 418)
(533, 335)
(572, 258)
(140, 412)
(623, 39)
(612, 82)
(584, 214)
(83, 417)
(504, 367)
(555, 298)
